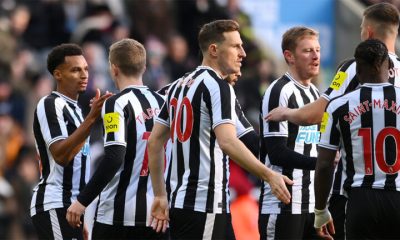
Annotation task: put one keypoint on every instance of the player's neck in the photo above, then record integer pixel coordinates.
(123, 82)
(214, 66)
(69, 94)
(302, 80)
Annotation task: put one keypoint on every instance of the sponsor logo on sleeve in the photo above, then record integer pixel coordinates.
(338, 80)
(111, 122)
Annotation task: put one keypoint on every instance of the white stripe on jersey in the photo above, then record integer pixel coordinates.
(58, 185)
(55, 225)
(353, 143)
(145, 105)
(283, 92)
(204, 85)
(209, 226)
(271, 226)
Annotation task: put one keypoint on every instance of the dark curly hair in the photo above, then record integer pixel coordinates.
(57, 55)
(371, 54)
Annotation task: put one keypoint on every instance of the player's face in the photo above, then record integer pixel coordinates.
(230, 53)
(306, 58)
(72, 76)
(233, 78)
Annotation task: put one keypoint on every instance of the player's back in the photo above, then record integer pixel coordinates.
(128, 120)
(368, 121)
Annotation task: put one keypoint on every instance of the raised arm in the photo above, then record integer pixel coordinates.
(65, 150)
(309, 114)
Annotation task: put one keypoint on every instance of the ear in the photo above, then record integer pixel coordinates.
(57, 74)
(114, 70)
(288, 56)
(213, 49)
(370, 32)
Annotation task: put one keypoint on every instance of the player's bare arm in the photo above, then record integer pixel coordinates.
(155, 146)
(309, 114)
(64, 151)
(237, 151)
(325, 168)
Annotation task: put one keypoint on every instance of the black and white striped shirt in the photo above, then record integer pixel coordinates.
(287, 92)
(346, 81)
(128, 120)
(56, 118)
(196, 105)
(243, 127)
(365, 125)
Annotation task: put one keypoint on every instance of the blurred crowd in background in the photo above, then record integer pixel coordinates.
(167, 28)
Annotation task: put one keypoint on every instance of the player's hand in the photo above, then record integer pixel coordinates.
(323, 224)
(278, 186)
(277, 114)
(74, 213)
(159, 214)
(96, 103)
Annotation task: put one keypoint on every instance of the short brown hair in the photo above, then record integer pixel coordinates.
(291, 37)
(129, 56)
(385, 16)
(213, 32)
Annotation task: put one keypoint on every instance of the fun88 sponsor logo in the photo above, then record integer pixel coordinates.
(308, 134)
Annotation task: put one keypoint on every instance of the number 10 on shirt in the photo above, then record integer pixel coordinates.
(176, 126)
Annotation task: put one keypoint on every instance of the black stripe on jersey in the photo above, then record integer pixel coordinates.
(194, 158)
(180, 163)
(274, 100)
(224, 160)
(141, 199)
(168, 180)
(353, 83)
(130, 155)
(211, 182)
(69, 169)
(367, 122)
(51, 115)
(225, 97)
(389, 93)
(293, 129)
(44, 161)
(347, 144)
(314, 93)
